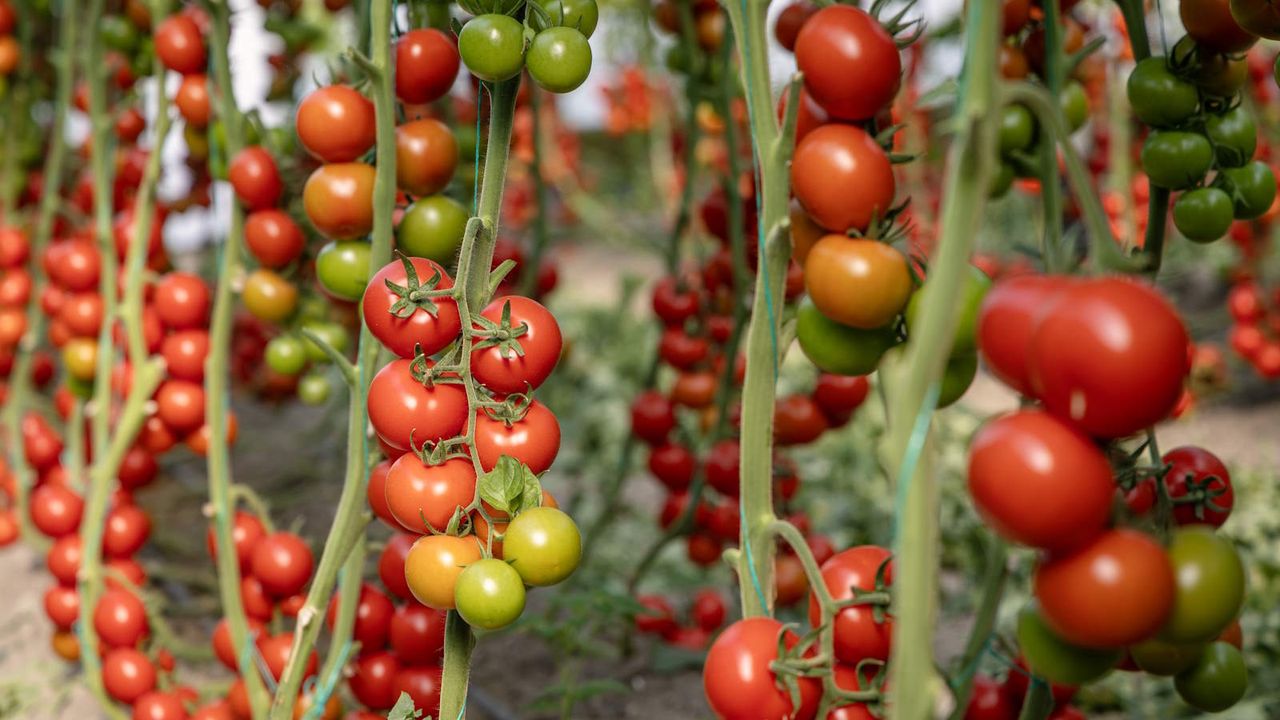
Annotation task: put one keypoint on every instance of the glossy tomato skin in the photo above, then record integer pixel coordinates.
(842, 177)
(1113, 592)
(1111, 356)
(417, 634)
(490, 594)
(179, 45)
(282, 562)
(426, 66)
(988, 701)
(1038, 481)
(402, 409)
(273, 237)
(1052, 658)
(246, 531)
(543, 544)
(391, 568)
(1211, 25)
(422, 683)
(338, 199)
(426, 155)
(1198, 473)
(433, 565)
(857, 634)
(533, 440)
(739, 683)
(860, 283)
(255, 178)
(336, 124)
(850, 62)
(1210, 585)
(422, 497)
(373, 618)
(413, 327)
(652, 417)
(372, 682)
(541, 343)
(120, 618)
(1007, 318)
(1217, 680)
(128, 674)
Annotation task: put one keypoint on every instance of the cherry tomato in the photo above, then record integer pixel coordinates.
(336, 124)
(192, 99)
(652, 417)
(55, 510)
(1217, 680)
(738, 680)
(182, 301)
(338, 199)
(417, 634)
(850, 62)
(673, 465)
(373, 618)
(405, 323)
(858, 634)
(842, 178)
(404, 411)
(490, 594)
(1053, 659)
(1007, 318)
(1199, 485)
(282, 562)
(559, 59)
(1210, 585)
(840, 349)
(126, 530)
(499, 367)
(127, 674)
(422, 498)
(422, 683)
(372, 681)
(543, 544)
(426, 66)
(1211, 24)
(860, 283)
(433, 565)
(273, 237)
(391, 566)
(120, 618)
(179, 44)
(426, 152)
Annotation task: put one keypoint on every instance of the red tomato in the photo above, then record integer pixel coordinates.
(282, 562)
(182, 301)
(127, 674)
(797, 419)
(1038, 481)
(842, 177)
(858, 635)
(426, 66)
(179, 44)
(499, 367)
(372, 682)
(850, 62)
(120, 619)
(391, 568)
(184, 354)
(181, 405)
(673, 303)
(1111, 356)
(373, 618)
(157, 705)
(708, 609)
(417, 633)
(1115, 591)
(224, 649)
(1199, 486)
(273, 237)
(1007, 319)
(533, 439)
(276, 651)
(63, 560)
(739, 682)
(376, 493)
(62, 605)
(657, 617)
(722, 467)
(246, 531)
(56, 510)
(403, 321)
(74, 265)
(338, 199)
(989, 701)
(422, 498)
(255, 178)
(336, 124)
(652, 417)
(126, 531)
(673, 465)
(192, 99)
(681, 350)
(402, 409)
(838, 396)
(426, 154)
(422, 683)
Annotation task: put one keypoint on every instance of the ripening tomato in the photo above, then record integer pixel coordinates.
(179, 44)
(372, 681)
(120, 618)
(1113, 592)
(417, 633)
(403, 320)
(192, 99)
(338, 199)
(1210, 24)
(842, 178)
(738, 680)
(860, 283)
(433, 565)
(857, 633)
(1210, 581)
(268, 296)
(282, 562)
(533, 439)
(426, 66)
(426, 154)
(127, 674)
(543, 544)
(1111, 356)
(1039, 481)
(422, 497)
(391, 565)
(498, 366)
(336, 124)
(255, 178)
(404, 411)
(1055, 660)
(850, 62)
(490, 594)
(273, 237)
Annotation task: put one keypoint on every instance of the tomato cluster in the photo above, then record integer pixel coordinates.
(558, 57)
(1044, 477)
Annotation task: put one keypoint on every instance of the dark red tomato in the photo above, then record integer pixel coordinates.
(673, 465)
(657, 617)
(282, 562)
(1113, 592)
(336, 124)
(404, 320)
(838, 396)
(681, 350)
(426, 66)
(184, 354)
(376, 493)
(192, 99)
(791, 20)
(391, 566)
(255, 178)
(63, 560)
(1008, 316)
(276, 651)
(739, 682)
(224, 649)
(850, 62)
(338, 199)
(533, 439)
(126, 531)
(372, 682)
(422, 683)
(1111, 356)
(373, 618)
(499, 367)
(689, 638)
(426, 154)
(246, 531)
(1211, 25)
(402, 409)
(841, 176)
(157, 705)
(129, 125)
(1141, 498)
(858, 635)
(1038, 481)
(181, 405)
(56, 510)
(989, 701)
(127, 674)
(182, 301)
(708, 610)
(422, 498)
(15, 246)
(120, 618)
(62, 606)
(180, 45)
(674, 303)
(273, 237)
(653, 417)
(257, 604)
(1199, 486)
(797, 420)
(417, 633)
(1014, 16)
(722, 466)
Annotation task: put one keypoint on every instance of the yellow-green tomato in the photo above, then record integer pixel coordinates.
(1157, 657)
(543, 545)
(1209, 579)
(489, 594)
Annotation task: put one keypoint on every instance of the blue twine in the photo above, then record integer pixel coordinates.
(320, 698)
(751, 565)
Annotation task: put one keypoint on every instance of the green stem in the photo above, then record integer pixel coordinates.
(458, 644)
(1038, 703)
(984, 621)
(1135, 20)
(1050, 181)
(911, 376)
(541, 236)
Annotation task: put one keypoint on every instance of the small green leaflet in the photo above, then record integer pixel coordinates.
(510, 487)
(404, 709)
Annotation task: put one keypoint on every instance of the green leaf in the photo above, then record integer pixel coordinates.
(404, 709)
(510, 487)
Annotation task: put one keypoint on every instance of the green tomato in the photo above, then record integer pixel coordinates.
(342, 267)
(1074, 104)
(492, 47)
(331, 332)
(81, 388)
(1176, 159)
(543, 545)
(677, 59)
(118, 33)
(1056, 660)
(1017, 129)
(583, 15)
(1001, 181)
(960, 372)
(1252, 188)
(432, 228)
(1165, 659)
(489, 594)
(314, 389)
(1204, 214)
(976, 285)
(286, 355)
(840, 349)
(559, 59)
(1209, 580)
(1158, 97)
(1234, 136)
(1219, 75)
(1217, 681)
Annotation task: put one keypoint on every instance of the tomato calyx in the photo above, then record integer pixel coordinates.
(1201, 492)
(415, 294)
(502, 334)
(510, 410)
